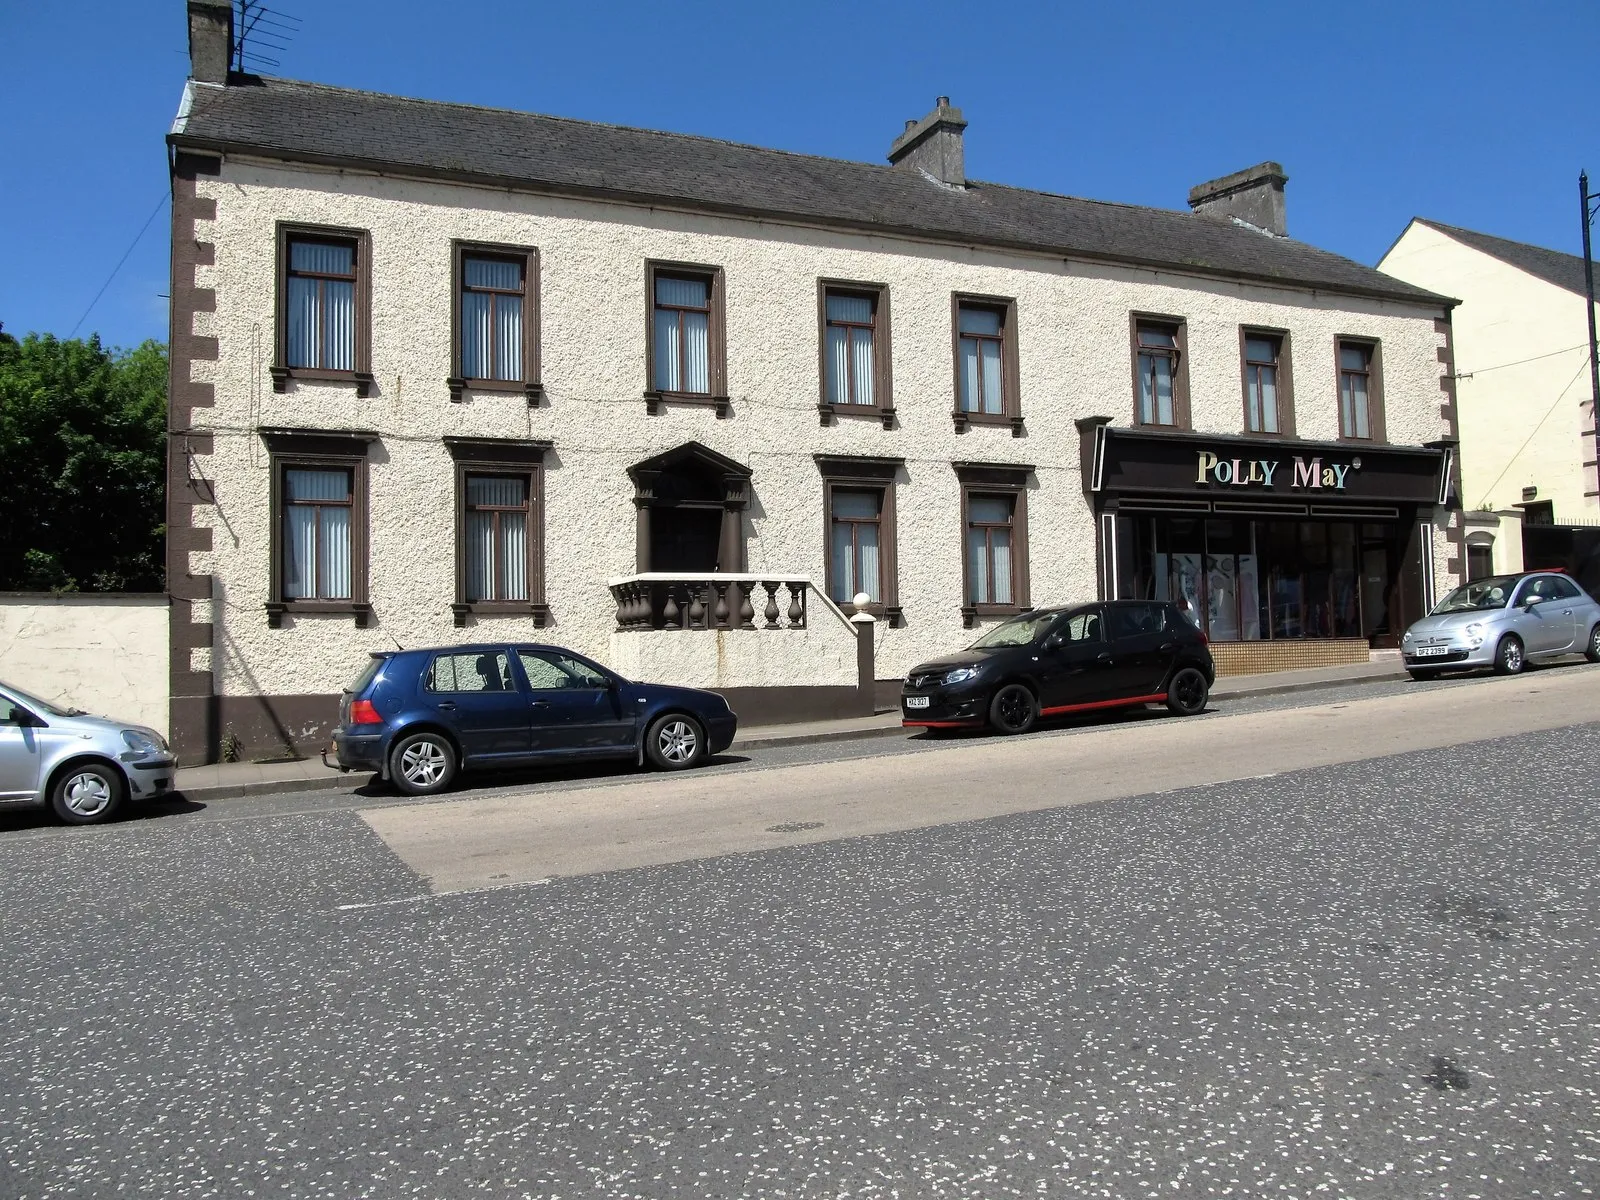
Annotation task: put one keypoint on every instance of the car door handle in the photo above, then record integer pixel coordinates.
(540, 704)
(447, 705)
(1103, 657)
(1168, 647)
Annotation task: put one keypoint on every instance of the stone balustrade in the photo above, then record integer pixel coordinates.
(665, 600)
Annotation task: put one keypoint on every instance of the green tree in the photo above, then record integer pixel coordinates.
(82, 465)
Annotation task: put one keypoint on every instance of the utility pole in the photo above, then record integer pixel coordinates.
(1588, 202)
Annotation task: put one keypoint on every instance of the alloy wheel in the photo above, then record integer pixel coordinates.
(1189, 691)
(1013, 710)
(423, 763)
(87, 794)
(677, 741)
(1594, 644)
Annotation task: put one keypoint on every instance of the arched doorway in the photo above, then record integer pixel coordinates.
(690, 506)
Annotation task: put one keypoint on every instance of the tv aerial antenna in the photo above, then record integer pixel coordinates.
(260, 34)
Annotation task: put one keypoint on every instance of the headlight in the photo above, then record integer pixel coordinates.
(142, 743)
(961, 675)
(1408, 636)
(1474, 633)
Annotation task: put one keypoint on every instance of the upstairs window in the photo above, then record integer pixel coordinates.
(1261, 391)
(320, 304)
(682, 330)
(1157, 351)
(1355, 390)
(850, 331)
(492, 291)
(991, 546)
(980, 353)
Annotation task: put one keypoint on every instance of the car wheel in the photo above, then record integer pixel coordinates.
(1593, 652)
(1187, 693)
(675, 742)
(1013, 709)
(1422, 676)
(423, 763)
(1508, 656)
(86, 793)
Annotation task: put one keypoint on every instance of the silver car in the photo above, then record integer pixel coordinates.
(1504, 622)
(84, 767)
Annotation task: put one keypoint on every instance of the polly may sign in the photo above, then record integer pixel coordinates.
(1302, 473)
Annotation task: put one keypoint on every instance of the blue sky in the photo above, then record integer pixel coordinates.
(1378, 111)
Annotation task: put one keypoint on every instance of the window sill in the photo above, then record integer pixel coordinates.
(827, 413)
(278, 609)
(534, 391)
(501, 608)
(653, 401)
(964, 420)
(281, 376)
(970, 613)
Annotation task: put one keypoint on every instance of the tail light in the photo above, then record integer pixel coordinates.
(362, 712)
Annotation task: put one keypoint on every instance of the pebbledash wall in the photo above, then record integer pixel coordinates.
(1073, 349)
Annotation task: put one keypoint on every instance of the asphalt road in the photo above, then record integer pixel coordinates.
(1367, 978)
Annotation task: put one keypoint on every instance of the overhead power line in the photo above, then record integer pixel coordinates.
(120, 261)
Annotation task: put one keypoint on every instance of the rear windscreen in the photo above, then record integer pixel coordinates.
(359, 683)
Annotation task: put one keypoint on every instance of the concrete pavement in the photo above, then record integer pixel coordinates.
(503, 838)
(221, 781)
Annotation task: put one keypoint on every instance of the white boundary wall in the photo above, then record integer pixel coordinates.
(105, 654)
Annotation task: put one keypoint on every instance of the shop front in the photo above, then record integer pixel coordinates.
(1285, 553)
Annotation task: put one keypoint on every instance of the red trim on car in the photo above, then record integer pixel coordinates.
(938, 724)
(1065, 708)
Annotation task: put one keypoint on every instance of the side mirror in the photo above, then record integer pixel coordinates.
(20, 717)
(1531, 601)
(1054, 642)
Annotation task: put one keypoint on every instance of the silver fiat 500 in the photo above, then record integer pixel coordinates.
(1504, 622)
(82, 766)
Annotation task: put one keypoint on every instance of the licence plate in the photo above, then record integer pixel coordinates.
(916, 701)
(1430, 651)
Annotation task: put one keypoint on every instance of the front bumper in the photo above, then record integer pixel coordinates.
(958, 707)
(152, 776)
(720, 732)
(1457, 657)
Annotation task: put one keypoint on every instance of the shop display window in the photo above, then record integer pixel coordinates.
(1244, 580)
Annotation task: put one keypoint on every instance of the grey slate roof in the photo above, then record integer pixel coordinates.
(1552, 266)
(315, 123)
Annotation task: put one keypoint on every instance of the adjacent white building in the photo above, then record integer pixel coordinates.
(1524, 394)
(450, 374)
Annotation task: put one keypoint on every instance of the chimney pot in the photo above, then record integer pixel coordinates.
(1253, 196)
(210, 40)
(933, 145)
(911, 122)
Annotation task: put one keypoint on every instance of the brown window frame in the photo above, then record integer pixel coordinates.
(1285, 381)
(1377, 432)
(317, 449)
(1008, 480)
(360, 240)
(853, 473)
(716, 337)
(528, 257)
(1179, 328)
(1010, 362)
(882, 409)
(501, 456)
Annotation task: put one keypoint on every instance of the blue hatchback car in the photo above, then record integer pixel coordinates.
(418, 717)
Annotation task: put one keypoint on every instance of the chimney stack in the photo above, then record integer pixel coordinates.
(1253, 196)
(933, 145)
(210, 40)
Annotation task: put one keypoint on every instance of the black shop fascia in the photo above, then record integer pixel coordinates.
(1267, 539)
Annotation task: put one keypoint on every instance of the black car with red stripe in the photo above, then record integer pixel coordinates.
(1053, 661)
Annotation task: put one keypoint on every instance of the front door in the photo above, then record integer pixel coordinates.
(1075, 662)
(575, 709)
(685, 540)
(19, 756)
(475, 695)
(1544, 626)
